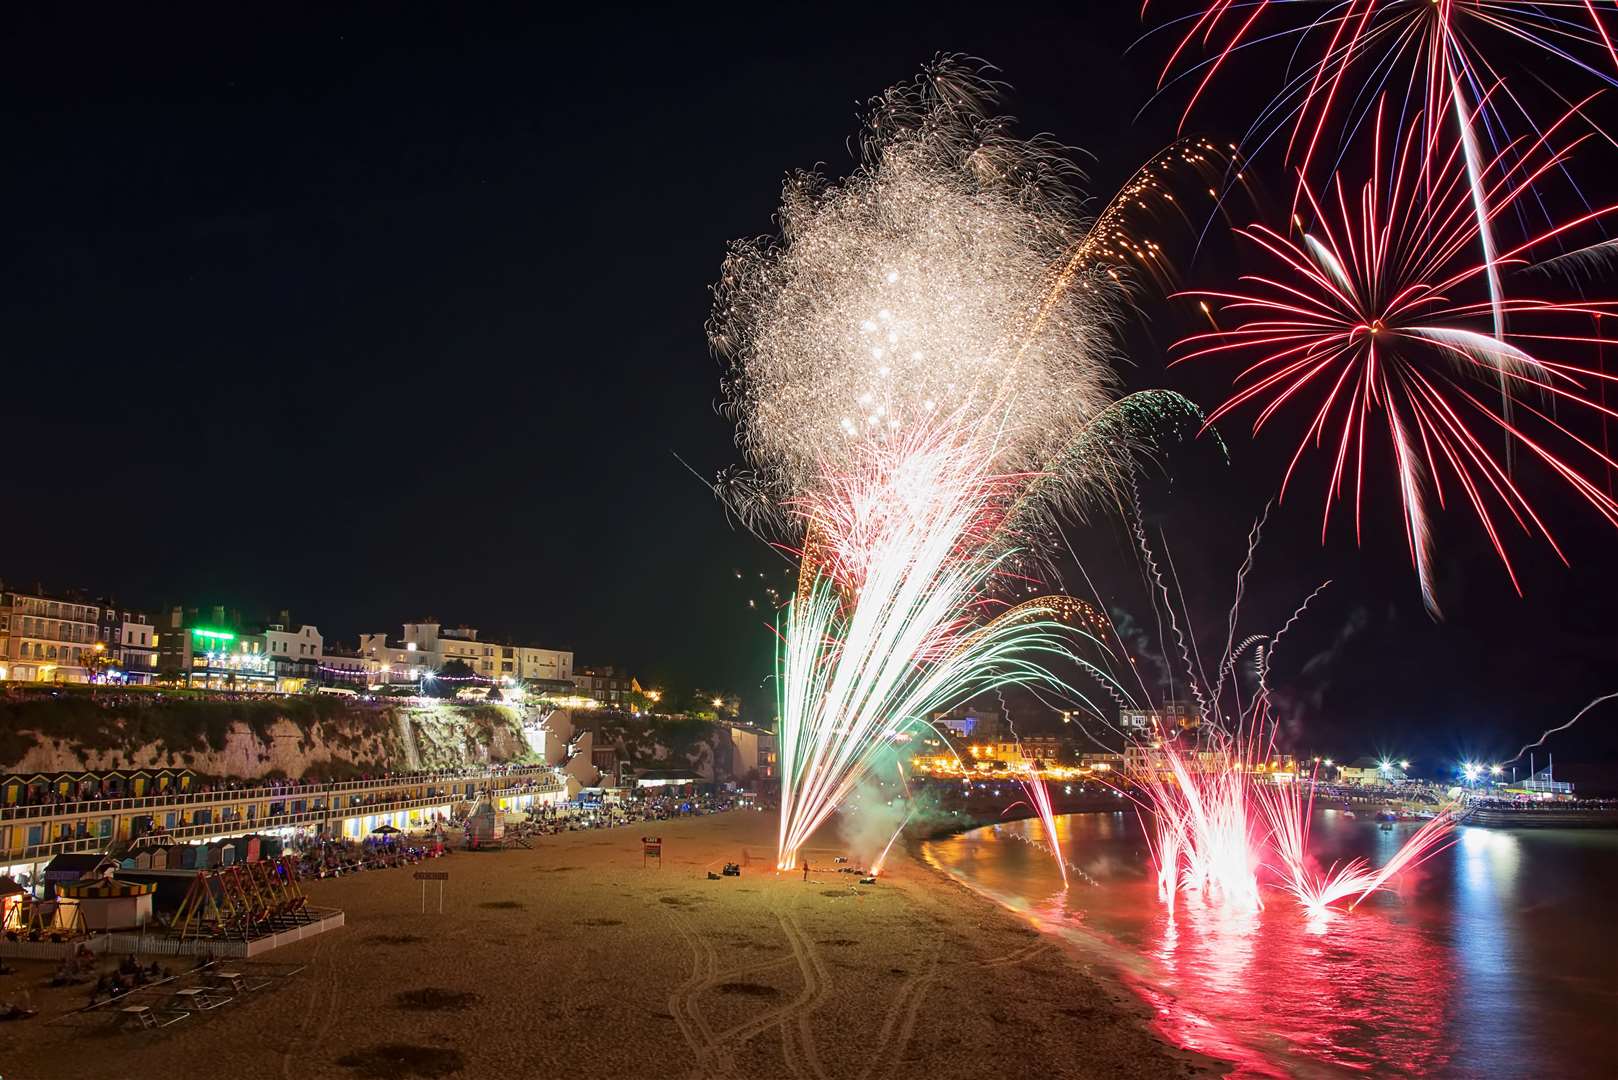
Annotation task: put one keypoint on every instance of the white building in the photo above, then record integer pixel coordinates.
(428, 646)
(46, 638)
(544, 664)
(136, 648)
(398, 662)
(301, 643)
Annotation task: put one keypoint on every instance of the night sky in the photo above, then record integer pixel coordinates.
(375, 316)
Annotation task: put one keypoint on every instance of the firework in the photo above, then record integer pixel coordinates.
(920, 375)
(1039, 797)
(1218, 818)
(1289, 814)
(876, 867)
(1376, 313)
(1444, 61)
(1204, 839)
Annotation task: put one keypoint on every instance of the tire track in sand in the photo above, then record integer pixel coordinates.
(711, 1051)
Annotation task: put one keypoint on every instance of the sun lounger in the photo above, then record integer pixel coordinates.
(200, 997)
(144, 1017)
(140, 1016)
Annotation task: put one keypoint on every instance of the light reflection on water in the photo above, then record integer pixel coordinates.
(1496, 957)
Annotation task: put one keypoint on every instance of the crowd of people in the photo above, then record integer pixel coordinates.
(1528, 805)
(567, 817)
(323, 857)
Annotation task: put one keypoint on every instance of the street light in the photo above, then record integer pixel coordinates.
(1403, 764)
(1496, 770)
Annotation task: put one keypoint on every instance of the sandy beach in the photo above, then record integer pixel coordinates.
(573, 959)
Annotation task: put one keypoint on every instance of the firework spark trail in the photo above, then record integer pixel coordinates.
(876, 867)
(1039, 795)
(853, 679)
(1373, 310)
(1563, 726)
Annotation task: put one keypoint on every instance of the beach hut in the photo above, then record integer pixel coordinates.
(140, 783)
(74, 866)
(62, 785)
(87, 785)
(111, 904)
(38, 786)
(165, 782)
(11, 789)
(246, 848)
(114, 784)
(184, 779)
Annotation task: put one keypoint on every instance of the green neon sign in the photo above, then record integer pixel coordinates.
(217, 635)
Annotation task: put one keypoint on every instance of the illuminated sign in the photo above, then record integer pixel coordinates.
(213, 635)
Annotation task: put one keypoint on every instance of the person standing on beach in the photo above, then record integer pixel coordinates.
(806, 868)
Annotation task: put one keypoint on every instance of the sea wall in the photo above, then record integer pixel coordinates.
(306, 737)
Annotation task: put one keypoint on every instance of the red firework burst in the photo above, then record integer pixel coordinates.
(1378, 314)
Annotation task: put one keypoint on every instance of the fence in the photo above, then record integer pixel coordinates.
(143, 944)
(50, 950)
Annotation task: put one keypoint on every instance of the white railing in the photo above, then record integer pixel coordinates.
(172, 801)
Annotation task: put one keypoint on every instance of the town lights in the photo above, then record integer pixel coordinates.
(1403, 764)
(1495, 770)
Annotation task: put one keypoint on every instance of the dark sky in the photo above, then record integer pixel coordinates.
(374, 315)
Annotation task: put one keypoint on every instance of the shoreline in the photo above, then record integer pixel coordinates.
(572, 956)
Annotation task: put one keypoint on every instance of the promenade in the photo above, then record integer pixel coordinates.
(34, 833)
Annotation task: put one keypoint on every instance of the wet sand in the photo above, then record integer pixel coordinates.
(571, 959)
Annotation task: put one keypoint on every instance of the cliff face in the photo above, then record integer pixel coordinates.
(663, 742)
(293, 737)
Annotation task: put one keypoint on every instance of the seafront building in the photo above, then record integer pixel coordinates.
(48, 638)
(426, 646)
